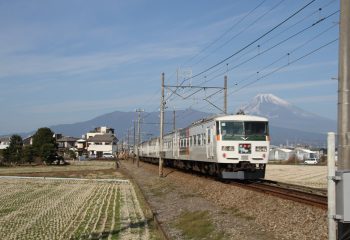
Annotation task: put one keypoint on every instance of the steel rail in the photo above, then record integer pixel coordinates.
(306, 195)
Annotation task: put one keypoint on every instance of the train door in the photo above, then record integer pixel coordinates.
(210, 144)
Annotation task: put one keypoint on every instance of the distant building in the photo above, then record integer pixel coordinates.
(28, 140)
(303, 154)
(280, 154)
(100, 131)
(80, 144)
(101, 140)
(66, 142)
(5, 142)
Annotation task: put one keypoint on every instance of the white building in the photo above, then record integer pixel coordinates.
(280, 154)
(303, 154)
(100, 144)
(101, 140)
(4, 142)
(100, 131)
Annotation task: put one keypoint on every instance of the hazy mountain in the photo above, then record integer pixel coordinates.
(288, 123)
(285, 115)
(122, 121)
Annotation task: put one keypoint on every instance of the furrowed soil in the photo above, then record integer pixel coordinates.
(46, 208)
(192, 207)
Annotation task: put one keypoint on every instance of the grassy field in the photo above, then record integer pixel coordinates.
(70, 209)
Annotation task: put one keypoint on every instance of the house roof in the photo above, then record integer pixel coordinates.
(305, 150)
(5, 139)
(67, 139)
(102, 138)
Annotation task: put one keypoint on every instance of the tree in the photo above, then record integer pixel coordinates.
(6, 155)
(48, 153)
(28, 154)
(14, 152)
(40, 138)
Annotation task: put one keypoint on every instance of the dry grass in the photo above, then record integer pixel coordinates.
(305, 175)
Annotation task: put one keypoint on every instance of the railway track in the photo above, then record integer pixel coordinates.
(310, 196)
(306, 195)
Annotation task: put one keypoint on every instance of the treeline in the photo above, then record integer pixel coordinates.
(42, 149)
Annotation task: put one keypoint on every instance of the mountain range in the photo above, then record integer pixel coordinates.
(289, 124)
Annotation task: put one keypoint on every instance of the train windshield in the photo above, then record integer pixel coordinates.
(234, 130)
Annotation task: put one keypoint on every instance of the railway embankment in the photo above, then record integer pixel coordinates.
(188, 206)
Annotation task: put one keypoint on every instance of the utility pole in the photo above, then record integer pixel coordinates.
(128, 141)
(161, 128)
(133, 159)
(225, 94)
(139, 136)
(343, 118)
(174, 119)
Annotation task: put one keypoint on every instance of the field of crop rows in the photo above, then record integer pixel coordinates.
(310, 176)
(68, 209)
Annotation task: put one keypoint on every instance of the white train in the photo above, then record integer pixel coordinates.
(229, 146)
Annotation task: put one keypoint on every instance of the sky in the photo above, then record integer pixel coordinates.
(70, 61)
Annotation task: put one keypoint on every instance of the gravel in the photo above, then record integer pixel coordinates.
(236, 212)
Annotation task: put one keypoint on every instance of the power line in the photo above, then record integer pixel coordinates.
(277, 44)
(256, 40)
(242, 31)
(290, 52)
(278, 34)
(286, 65)
(223, 34)
(279, 68)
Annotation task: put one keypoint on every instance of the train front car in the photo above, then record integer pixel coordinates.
(242, 145)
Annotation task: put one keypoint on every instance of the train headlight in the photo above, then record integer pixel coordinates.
(261, 149)
(227, 148)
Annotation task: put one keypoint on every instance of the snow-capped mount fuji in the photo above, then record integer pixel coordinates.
(285, 115)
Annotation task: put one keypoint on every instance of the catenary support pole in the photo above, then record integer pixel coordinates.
(174, 120)
(138, 136)
(161, 128)
(332, 224)
(225, 94)
(343, 102)
(135, 151)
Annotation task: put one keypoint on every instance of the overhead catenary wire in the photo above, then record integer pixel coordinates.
(254, 41)
(222, 35)
(279, 43)
(223, 67)
(248, 45)
(278, 69)
(286, 65)
(226, 32)
(242, 31)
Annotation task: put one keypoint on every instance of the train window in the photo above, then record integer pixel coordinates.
(209, 134)
(230, 130)
(256, 128)
(217, 128)
(237, 130)
(199, 139)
